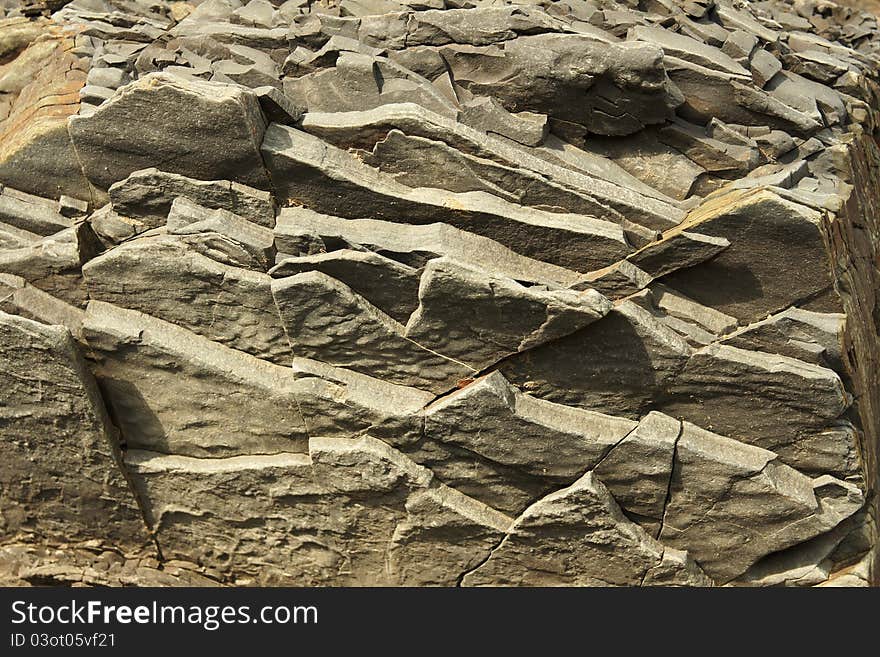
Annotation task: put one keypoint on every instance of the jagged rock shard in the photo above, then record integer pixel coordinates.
(744, 393)
(340, 403)
(678, 251)
(530, 444)
(444, 535)
(111, 228)
(615, 281)
(391, 286)
(217, 130)
(256, 243)
(61, 476)
(637, 469)
(325, 320)
(617, 365)
(731, 504)
(478, 319)
(576, 537)
(809, 336)
(171, 390)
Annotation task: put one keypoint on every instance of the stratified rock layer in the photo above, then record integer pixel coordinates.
(444, 293)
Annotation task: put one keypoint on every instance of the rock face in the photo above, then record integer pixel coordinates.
(41, 76)
(441, 293)
(217, 136)
(55, 428)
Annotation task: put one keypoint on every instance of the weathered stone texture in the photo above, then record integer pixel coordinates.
(439, 293)
(60, 478)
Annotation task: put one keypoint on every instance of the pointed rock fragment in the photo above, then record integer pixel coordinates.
(731, 504)
(743, 394)
(637, 470)
(254, 246)
(493, 419)
(165, 277)
(576, 536)
(620, 365)
(444, 535)
(478, 319)
(391, 286)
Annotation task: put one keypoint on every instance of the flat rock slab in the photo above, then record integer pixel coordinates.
(31, 213)
(53, 264)
(307, 171)
(41, 84)
(391, 286)
(558, 170)
(687, 48)
(440, 293)
(416, 245)
(414, 161)
(349, 511)
(21, 298)
(608, 88)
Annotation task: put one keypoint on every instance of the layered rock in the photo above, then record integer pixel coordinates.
(157, 274)
(439, 293)
(55, 429)
(337, 514)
